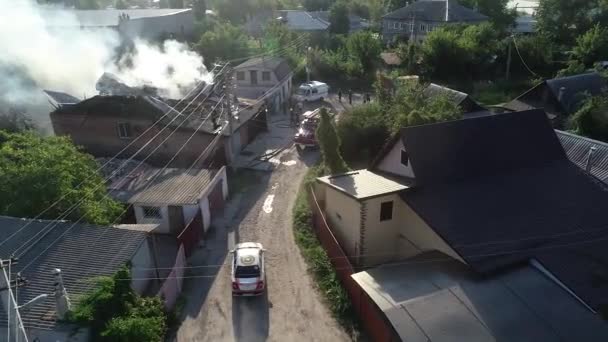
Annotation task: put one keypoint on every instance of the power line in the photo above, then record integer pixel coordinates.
(105, 164)
(521, 58)
(106, 195)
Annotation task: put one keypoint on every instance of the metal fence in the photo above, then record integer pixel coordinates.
(374, 321)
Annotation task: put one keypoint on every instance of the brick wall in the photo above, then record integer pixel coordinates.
(98, 135)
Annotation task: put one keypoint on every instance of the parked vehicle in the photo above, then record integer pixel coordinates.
(312, 91)
(248, 275)
(306, 134)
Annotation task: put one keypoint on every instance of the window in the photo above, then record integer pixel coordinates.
(152, 212)
(124, 130)
(405, 160)
(240, 75)
(386, 211)
(315, 91)
(265, 75)
(422, 27)
(254, 76)
(247, 271)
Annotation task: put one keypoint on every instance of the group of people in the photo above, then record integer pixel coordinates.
(366, 97)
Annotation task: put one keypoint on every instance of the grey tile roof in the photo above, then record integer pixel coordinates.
(171, 186)
(434, 10)
(109, 17)
(278, 65)
(577, 148)
(432, 298)
(364, 184)
(83, 253)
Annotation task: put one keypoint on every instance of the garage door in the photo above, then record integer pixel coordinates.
(216, 200)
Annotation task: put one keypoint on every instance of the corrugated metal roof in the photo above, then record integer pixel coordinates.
(577, 148)
(278, 65)
(303, 21)
(363, 184)
(433, 298)
(174, 187)
(84, 253)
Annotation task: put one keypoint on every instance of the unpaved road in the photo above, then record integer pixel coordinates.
(292, 309)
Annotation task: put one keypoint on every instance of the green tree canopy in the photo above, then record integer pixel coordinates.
(120, 4)
(496, 10)
(36, 171)
(317, 5)
(200, 8)
(564, 20)
(338, 18)
(15, 121)
(592, 46)
(330, 144)
(224, 41)
(365, 48)
(591, 120)
(86, 4)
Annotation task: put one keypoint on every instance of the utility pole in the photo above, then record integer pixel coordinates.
(308, 64)
(508, 74)
(15, 324)
(227, 87)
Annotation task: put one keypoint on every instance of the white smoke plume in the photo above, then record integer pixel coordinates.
(45, 48)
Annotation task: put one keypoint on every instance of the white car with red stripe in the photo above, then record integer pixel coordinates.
(248, 276)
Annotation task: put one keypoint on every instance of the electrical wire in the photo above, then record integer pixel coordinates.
(104, 165)
(42, 231)
(521, 58)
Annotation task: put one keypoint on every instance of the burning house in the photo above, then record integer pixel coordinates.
(124, 122)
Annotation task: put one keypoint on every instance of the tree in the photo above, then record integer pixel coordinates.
(86, 4)
(338, 18)
(442, 55)
(496, 10)
(330, 144)
(392, 5)
(176, 3)
(412, 106)
(317, 5)
(200, 9)
(592, 46)
(591, 120)
(120, 4)
(15, 121)
(564, 20)
(365, 48)
(225, 41)
(116, 313)
(35, 172)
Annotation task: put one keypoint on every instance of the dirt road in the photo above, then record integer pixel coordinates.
(292, 310)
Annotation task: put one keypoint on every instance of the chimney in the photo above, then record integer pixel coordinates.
(62, 301)
(447, 10)
(589, 156)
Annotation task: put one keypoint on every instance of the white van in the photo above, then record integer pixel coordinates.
(312, 91)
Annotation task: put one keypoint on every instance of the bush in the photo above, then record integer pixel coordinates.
(115, 313)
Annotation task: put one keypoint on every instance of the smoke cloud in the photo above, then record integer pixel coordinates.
(43, 47)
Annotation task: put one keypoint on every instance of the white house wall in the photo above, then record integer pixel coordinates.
(204, 205)
(163, 222)
(343, 214)
(380, 237)
(416, 237)
(190, 212)
(404, 236)
(142, 268)
(392, 162)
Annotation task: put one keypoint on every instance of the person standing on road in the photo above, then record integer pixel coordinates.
(350, 96)
(368, 98)
(340, 95)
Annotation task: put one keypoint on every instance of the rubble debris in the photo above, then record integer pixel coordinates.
(109, 84)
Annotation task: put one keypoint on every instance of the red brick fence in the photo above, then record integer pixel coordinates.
(374, 321)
